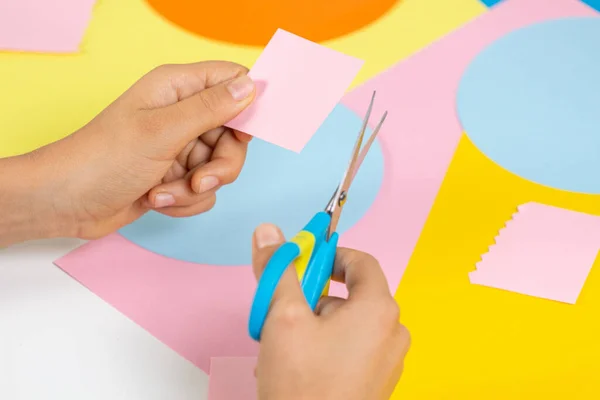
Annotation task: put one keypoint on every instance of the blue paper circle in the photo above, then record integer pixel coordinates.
(275, 186)
(531, 103)
(592, 3)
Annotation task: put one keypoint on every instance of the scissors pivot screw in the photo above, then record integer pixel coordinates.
(343, 198)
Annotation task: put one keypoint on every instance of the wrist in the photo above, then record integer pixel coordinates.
(31, 191)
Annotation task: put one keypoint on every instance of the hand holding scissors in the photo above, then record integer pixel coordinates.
(312, 250)
(351, 349)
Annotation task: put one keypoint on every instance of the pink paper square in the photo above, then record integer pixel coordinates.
(547, 252)
(232, 379)
(48, 26)
(298, 84)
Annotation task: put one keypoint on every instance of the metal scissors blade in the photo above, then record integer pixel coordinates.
(335, 205)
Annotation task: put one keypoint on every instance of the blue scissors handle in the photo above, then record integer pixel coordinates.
(313, 256)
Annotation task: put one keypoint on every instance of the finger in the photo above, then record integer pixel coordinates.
(203, 111)
(242, 137)
(168, 84)
(197, 208)
(225, 165)
(267, 239)
(361, 273)
(211, 137)
(177, 193)
(328, 305)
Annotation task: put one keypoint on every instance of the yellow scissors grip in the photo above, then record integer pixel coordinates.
(306, 241)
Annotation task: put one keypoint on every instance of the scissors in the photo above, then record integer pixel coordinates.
(313, 249)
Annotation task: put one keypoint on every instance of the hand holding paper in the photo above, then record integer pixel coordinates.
(166, 132)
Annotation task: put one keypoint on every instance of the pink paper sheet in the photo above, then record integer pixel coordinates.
(46, 26)
(546, 252)
(298, 84)
(232, 379)
(201, 311)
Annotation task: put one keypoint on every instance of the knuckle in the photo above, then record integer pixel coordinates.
(391, 311)
(366, 258)
(210, 100)
(288, 314)
(404, 338)
(386, 314)
(351, 256)
(162, 69)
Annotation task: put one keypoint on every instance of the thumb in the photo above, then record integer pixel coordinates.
(266, 241)
(208, 109)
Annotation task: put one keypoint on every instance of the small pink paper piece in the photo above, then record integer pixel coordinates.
(232, 379)
(544, 251)
(44, 26)
(298, 84)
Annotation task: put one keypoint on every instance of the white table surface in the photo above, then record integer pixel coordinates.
(60, 341)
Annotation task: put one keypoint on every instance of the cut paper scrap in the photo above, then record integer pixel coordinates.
(529, 102)
(422, 130)
(298, 84)
(44, 26)
(201, 311)
(546, 252)
(232, 378)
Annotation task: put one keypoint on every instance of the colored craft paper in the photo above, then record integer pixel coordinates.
(272, 183)
(117, 52)
(546, 252)
(298, 84)
(529, 102)
(422, 131)
(201, 311)
(232, 379)
(55, 26)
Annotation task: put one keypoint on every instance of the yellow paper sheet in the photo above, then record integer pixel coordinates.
(473, 342)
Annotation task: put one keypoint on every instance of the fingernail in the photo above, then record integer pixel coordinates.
(241, 87)
(267, 235)
(207, 183)
(163, 200)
